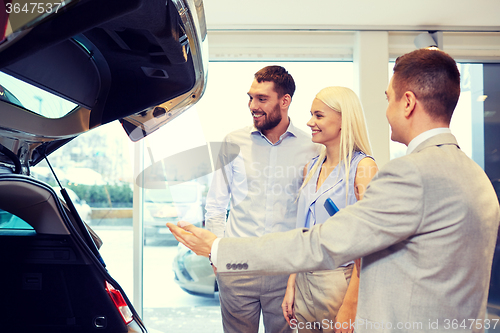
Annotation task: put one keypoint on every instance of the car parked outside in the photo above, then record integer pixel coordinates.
(193, 273)
(81, 206)
(177, 201)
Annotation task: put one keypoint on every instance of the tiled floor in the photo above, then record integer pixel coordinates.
(207, 319)
(203, 319)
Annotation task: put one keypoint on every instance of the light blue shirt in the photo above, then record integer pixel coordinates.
(260, 181)
(311, 206)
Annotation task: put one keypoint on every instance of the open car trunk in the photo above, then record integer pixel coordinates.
(54, 283)
(91, 62)
(138, 61)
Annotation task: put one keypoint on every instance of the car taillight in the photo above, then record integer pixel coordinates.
(121, 305)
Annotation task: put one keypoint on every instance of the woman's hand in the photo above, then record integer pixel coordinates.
(346, 317)
(288, 300)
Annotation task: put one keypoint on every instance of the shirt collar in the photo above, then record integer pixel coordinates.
(291, 130)
(424, 136)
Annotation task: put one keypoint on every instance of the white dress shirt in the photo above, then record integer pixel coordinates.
(424, 136)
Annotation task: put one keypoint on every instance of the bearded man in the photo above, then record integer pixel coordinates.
(259, 174)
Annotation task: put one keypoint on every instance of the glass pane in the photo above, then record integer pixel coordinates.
(12, 222)
(179, 287)
(467, 120)
(476, 125)
(32, 98)
(96, 170)
(490, 100)
(224, 108)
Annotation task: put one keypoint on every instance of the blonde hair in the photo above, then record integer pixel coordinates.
(353, 134)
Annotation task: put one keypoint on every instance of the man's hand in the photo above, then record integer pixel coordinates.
(197, 239)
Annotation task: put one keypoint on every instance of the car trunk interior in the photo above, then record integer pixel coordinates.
(55, 284)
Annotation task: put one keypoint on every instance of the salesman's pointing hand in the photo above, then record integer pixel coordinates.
(197, 239)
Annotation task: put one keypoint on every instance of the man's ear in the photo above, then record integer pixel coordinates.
(285, 101)
(410, 101)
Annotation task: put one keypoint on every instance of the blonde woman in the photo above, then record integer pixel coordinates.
(325, 301)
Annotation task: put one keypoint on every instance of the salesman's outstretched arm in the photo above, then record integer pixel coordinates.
(390, 212)
(197, 239)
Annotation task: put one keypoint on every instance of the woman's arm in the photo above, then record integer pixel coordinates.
(289, 299)
(367, 168)
(346, 315)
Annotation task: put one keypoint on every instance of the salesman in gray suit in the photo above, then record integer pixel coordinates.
(426, 228)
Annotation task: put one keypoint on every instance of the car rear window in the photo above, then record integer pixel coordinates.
(11, 225)
(33, 99)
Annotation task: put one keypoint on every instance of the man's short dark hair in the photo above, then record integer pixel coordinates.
(283, 81)
(433, 76)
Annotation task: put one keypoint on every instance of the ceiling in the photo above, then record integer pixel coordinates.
(444, 15)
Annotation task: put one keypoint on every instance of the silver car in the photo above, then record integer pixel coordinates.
(193, 273)
(177, 201)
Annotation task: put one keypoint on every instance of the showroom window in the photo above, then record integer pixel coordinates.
(97, 168)
(468, 117)
(475, 124)
(178, 283)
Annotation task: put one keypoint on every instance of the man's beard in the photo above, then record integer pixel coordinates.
(271, 120)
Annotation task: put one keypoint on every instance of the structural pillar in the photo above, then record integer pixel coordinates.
(371, 77)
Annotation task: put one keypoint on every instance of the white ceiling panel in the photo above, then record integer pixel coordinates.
(445, 15)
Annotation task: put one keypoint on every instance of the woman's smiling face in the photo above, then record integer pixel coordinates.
(325, 123)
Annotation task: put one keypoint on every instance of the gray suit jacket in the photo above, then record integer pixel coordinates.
(426, 229)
